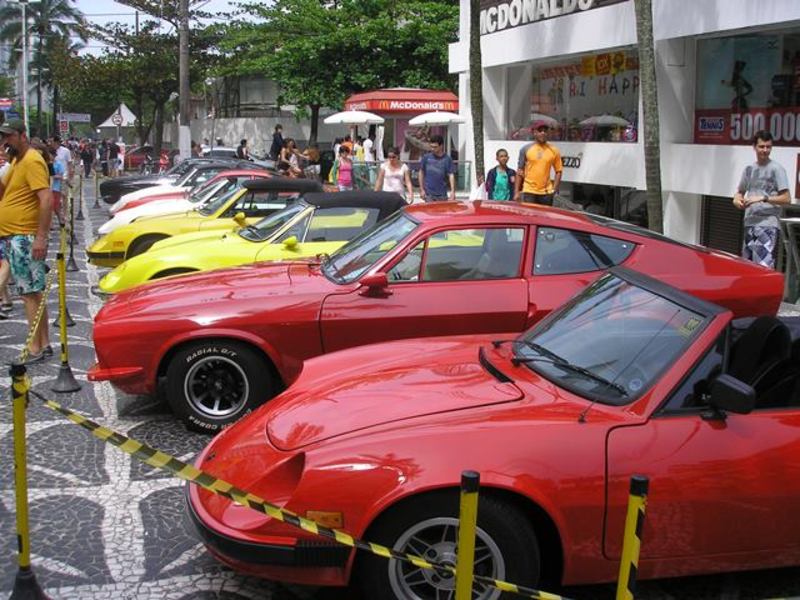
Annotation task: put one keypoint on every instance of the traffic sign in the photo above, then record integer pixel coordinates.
(63, 127)
(116, 119)
(6, 103)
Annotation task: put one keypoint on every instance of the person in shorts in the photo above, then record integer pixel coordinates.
(25, 215)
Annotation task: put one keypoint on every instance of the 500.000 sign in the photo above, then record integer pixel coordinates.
(783, 124)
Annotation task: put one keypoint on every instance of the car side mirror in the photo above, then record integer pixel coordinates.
(375, 284)
(290, 243)
(729, 394)
(240, 219)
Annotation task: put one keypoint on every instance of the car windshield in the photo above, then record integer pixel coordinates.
(611, 342)
(203, 191)
(180, 169)
(186, 178)
(214, 203)
(353, 259)
(269, 226)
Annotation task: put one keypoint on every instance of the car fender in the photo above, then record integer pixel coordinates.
(287, 368)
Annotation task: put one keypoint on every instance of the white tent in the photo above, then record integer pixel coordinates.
(128, 118)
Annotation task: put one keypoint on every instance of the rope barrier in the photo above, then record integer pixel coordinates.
(160, 460)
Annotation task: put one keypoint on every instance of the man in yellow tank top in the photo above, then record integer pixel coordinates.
(535, 163)
(25, 213)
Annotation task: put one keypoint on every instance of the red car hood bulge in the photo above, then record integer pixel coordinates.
(186, 295)
(350, 390)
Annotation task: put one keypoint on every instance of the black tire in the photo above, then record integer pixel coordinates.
(171, 272)
(505, 537)
(211, 384)
(143, 244)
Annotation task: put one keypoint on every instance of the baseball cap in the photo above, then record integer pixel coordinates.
(14, 126)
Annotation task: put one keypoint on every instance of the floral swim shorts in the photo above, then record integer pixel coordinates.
(29, 275)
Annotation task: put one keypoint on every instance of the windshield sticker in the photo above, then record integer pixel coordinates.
(689, 326)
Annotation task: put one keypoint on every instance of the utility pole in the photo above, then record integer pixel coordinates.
(23, 6)
(184, 132)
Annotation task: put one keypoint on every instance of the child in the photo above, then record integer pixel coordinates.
(500, 180)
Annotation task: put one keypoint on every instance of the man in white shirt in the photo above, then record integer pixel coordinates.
(64, 156)
(369, 152)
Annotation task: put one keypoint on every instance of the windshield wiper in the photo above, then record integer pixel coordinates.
(552, 358)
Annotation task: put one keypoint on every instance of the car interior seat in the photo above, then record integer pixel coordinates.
(762, 357)
(499, 258)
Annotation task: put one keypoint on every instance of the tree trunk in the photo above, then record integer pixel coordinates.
(55, 110)
(476, 86)
(652, 138)
(312, 137)
(39, 89)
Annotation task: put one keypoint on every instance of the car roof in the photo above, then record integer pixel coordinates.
(244, 173)
(230, 164)
(283, 184)
(385, 201)
(507, 212)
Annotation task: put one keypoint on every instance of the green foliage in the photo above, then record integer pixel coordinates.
(6, 86)
(320, 52)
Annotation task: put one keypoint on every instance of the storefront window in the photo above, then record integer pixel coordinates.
(746, 83)
(589, 98)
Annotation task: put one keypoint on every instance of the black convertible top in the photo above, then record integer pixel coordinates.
(387, 202)
(283, 184)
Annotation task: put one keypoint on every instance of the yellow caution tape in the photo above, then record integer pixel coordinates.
(192, 474)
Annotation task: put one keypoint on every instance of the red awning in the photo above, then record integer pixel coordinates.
(406, 101)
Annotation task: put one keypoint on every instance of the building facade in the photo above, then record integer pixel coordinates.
(725, 68)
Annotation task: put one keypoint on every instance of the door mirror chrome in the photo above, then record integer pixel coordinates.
(729, 394)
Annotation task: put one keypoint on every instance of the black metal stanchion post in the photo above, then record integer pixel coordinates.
(62, 248)
(80, 216)
(72, 266)
(25, 585)
(96, 190)
(65, 382)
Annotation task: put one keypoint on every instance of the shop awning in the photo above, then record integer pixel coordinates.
(403, 101)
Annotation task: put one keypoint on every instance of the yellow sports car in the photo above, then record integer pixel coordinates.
(317, 224)
(245, 205)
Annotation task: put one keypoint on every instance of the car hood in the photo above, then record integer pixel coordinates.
(201, 240)
(215, 295)
(369, 386)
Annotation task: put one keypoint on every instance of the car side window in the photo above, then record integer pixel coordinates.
(259, 204)
(691, 393)
(560, 251)
(340, 224)
(408, 268)
(473, 254)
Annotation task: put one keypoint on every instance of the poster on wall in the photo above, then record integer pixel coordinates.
(745, 84)
(592, 98)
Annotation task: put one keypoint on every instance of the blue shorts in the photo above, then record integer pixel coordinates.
(29, 275)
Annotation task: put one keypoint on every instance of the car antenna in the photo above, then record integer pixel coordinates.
(582, 416)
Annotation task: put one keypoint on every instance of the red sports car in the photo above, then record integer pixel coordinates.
(630, 377)
(228, 340)
(134, 157)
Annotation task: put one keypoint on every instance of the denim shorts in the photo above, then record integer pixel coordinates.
(29, 275)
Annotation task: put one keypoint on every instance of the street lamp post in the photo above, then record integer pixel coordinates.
(24, 6)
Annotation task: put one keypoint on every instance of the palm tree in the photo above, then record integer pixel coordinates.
(46, 19)
(476, 86)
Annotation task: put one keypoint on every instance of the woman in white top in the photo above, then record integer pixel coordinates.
(395, 176)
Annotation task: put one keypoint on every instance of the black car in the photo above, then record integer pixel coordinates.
(185, 173)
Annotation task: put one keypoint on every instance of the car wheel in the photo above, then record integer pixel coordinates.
(212, 384)
(506, 548)
(142, 245)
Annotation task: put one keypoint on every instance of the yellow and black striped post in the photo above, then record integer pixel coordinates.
(467, 527)
(632, 542)
(62, 252)
(25, 584)
(65, 382)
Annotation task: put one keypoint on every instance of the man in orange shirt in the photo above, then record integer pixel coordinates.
(536, 161)
(25, 212)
